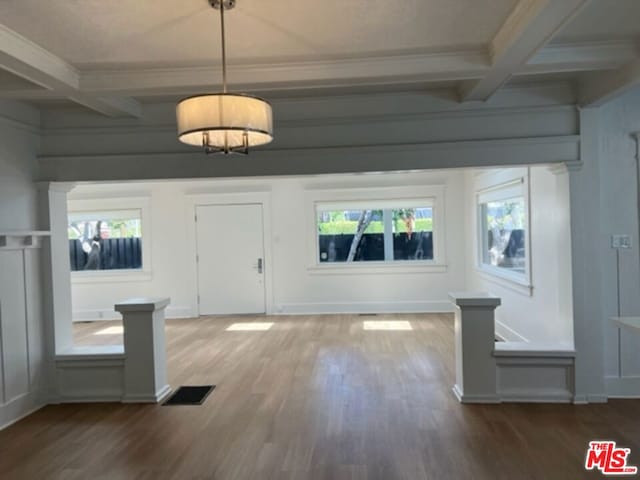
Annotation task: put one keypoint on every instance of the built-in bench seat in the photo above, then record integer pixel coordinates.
(534, 372)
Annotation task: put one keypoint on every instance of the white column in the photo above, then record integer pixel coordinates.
(56, 266)
(145, 370)
(475, 342)
(587, 246)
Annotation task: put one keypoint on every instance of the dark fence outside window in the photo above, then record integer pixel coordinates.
(335, 248)
(114, 254)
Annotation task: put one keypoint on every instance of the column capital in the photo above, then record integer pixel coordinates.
(142, 305)
(475, 299)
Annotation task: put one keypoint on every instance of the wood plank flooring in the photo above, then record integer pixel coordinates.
(313, 397)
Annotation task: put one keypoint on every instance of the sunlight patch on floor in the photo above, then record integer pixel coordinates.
(386, 325)
(115, 330)
(250, 327)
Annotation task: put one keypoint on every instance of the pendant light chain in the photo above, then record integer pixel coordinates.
(224, 50)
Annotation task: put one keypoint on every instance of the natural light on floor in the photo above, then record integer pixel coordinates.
(387, 325)
(116, 330)
(250, 326)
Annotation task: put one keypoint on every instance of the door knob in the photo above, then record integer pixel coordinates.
(259, 266)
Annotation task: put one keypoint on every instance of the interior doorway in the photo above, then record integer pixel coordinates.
(230, 259)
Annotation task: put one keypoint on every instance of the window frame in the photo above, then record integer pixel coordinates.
(515, 187)
(102, 206)
(426, 196)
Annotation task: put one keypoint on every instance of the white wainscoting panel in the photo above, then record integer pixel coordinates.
(22, 362)
(529, 373)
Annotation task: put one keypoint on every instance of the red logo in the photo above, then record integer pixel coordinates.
(609, 459)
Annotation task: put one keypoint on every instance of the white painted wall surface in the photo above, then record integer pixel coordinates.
(618, 214)
(297, 285)
(22, 358)
(543, 312)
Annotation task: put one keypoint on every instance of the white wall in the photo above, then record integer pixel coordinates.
(618, 214)
(22, 359)
(19, 141)
(296, 286)
(542, 311)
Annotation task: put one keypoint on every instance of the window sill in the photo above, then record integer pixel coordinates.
(110, 276)
(504, 279)
(377, 268)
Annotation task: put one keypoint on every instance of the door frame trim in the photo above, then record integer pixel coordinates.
(261, 197)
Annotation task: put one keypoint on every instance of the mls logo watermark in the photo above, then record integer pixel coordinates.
(609, 459)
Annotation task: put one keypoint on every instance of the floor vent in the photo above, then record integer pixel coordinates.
(195, 395)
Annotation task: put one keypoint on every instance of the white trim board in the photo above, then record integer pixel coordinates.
(314, 160)
(326, 308)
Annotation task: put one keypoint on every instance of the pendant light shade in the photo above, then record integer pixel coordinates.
(224, 122)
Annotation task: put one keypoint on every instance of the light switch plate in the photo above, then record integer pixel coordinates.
(620, 241)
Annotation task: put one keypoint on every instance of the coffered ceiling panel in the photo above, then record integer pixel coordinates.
(187, 32)
(604, 19)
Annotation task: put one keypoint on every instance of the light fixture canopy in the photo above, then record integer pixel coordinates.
(224, 122)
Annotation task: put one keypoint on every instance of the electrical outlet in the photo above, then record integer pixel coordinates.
(620, 241)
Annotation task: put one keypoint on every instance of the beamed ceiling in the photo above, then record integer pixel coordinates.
(112, 57)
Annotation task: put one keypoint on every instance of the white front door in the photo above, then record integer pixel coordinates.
(230, 259)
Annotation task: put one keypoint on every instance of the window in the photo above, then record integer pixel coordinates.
(107, 240)
(385, 231)
(504, 227)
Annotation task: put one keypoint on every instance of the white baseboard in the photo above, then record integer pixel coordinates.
(20, 407)
(537, 397)
(624, 387)
(508, 334)
(582, 399)
(463, 398)
(157, 398)
(363, 307)
(110, 314)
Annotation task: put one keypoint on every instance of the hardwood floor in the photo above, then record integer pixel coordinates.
(315, 397)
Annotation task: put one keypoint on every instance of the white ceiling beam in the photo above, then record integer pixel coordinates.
(415, 68)
(598, 88)
(428, 67)
(24, 58)
(528, 28)
(57, 78)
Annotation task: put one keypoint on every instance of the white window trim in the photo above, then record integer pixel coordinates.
(142, 204)
(510, 184)
(431, 195)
